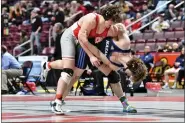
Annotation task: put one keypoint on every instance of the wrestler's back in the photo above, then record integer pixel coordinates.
(99, 23)
(121, 38)
(123, 42)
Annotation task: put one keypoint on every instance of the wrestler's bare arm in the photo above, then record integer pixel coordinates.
(86, 26)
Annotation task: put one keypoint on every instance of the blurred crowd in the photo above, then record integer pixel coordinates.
(60, 14)
(16, 13)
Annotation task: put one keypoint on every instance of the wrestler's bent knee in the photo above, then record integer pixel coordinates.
(66, 75)
(114, 77)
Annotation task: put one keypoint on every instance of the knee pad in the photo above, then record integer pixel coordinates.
(114, 77)
(66, 75)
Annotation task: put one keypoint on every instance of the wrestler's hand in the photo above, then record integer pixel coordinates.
(95, 61)
(98, 39)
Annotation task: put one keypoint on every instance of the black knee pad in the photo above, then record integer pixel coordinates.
(68, 71)
(114, 77)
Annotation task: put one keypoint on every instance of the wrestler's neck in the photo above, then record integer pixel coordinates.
(101, 24)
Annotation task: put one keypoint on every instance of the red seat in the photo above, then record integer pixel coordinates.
(170, 29)
(179, 29)
(139, 46)
(43, 39)
(151, 40)
(175, 24)
(169, 34)
(3, 39)
(161, 40)
(148, 36)
(141, 41)
(159, 36)
(137, 36)
(162, 44)
(132, 45)
(179, 34)
(149, 31)
(182, 24)
(13, 29)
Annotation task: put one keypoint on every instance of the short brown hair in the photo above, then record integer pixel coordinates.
(112, 12)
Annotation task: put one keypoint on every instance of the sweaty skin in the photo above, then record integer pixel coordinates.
(123, 42)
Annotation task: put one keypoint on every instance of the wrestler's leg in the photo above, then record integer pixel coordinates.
(77, 73)
(116, 87)
(81, 61)
(68, 48)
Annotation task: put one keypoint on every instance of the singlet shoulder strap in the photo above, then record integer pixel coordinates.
(97, 20)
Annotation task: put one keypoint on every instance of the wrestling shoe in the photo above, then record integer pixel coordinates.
(165, 86)
(56, 107)
(128, 108)
(44, 71)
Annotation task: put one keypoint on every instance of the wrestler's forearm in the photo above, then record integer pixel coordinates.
(105, 60)
(86, 49)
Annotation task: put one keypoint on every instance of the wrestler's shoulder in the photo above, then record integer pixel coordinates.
(120, 24)
(91, 15)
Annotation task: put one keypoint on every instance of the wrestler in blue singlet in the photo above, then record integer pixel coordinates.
(107, 47)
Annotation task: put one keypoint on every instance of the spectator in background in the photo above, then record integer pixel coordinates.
(16, 15)
(4, 4)
(90, 8)
(47, 10)
(30, 5)
(160, 25)
(166, 48)
(26, 13)
(36, 24)
(59, 29)
(58, 15)
(127, 21)
(179, 63)
(145, 11)
(10, 68)
(124, 5)
(81, 7)
(170, 48)
(138, 24)
(130, 13)
(67, 9)
(147, 58)
(182, 44)
(181, 15)
(159, 49)
(171, 13)
(73, 7)
(175, 47)
(23, 38)
(4, 22)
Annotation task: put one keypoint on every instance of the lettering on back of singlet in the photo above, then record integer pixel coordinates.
(107, 48)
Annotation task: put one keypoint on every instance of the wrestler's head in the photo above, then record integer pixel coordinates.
(112, 14)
